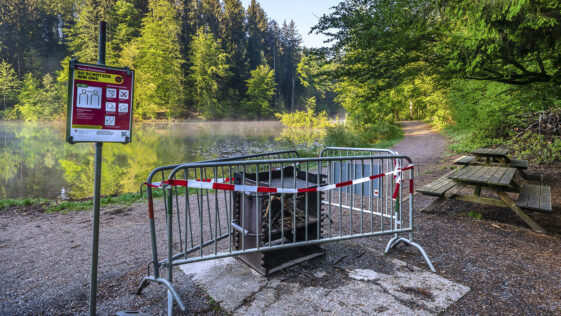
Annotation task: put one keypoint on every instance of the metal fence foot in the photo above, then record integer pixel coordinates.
(145, 282)
(396, 240)
(171, 289)
(390, 244)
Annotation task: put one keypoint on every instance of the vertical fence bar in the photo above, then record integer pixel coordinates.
(306, 197)
(340, 198)
(411, 192)
(169, 218)
(294, 197)
(231, 213)
(361, 195)
(352, 193)
(179, 221)
(282, 203)
(204, 176)
(188, 213)
(258, 209)
(329, 196)
(319, 201)
(242, 203)
(153, 232)
(381, 193)
(270, 206)
(200, 205)
(216, 214)
(370, 197)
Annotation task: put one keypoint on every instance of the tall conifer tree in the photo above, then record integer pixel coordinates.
(83, 36)
(290, 41)
(234, 40)
(157, 59)
(211, 11)
(256, 28)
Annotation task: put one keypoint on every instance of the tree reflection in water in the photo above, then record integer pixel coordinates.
(35, 161)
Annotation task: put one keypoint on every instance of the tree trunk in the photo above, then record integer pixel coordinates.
(275, 70)
(292, 97)
(19, 63)
(411, 108)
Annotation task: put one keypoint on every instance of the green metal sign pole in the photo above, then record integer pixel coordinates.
(97, 189)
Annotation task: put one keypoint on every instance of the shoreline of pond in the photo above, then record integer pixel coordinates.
(39, 165)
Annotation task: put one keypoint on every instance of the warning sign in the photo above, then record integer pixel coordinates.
(100, 103)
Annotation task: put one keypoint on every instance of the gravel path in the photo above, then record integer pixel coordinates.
(422, 143)
(510, 269)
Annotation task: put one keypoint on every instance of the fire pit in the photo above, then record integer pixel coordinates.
(252, 213)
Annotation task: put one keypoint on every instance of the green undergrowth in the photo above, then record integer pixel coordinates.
(51, 206)
(465, 141)
(531, 146)
(473, 214)
(6, 203)
(380, 135)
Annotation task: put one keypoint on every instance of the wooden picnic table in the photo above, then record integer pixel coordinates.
(484, 175)
(499, 180)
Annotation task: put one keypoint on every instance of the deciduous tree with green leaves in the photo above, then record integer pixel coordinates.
(8, 81)
(208, 71)
(513, 42)
(39, 102)
(260, 90)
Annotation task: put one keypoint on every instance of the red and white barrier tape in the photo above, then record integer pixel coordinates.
(211, 184)
(397, 178)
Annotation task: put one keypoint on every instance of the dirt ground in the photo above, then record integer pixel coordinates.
(509, 268)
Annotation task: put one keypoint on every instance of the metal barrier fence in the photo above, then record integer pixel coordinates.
(272, 213)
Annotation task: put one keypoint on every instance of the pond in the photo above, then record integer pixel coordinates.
(35, 160)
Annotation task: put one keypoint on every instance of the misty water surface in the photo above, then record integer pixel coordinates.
(35, 161)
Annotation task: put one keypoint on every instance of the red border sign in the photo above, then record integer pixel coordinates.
(100, 103)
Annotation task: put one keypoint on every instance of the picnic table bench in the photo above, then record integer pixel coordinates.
(498, 179)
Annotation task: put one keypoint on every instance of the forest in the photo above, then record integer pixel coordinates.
(486, 72)
(207, 59)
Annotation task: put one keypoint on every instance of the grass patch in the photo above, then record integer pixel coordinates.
(51, 206)
(6, 203)
(214, 305)
(466, 141)
(123, 199)
(473, 214)
(388, 143)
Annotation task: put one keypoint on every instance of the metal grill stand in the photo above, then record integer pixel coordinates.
(287, 217)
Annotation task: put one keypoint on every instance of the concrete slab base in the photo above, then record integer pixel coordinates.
(404, 291)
